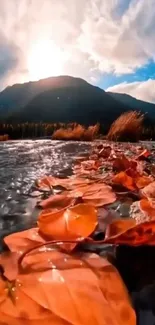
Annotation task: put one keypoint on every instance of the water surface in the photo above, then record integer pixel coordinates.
(21, 164)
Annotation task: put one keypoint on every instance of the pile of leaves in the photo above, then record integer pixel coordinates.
(56, 273)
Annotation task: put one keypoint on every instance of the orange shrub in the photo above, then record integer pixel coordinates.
(127, 127)
(78, 132)
(4, 137)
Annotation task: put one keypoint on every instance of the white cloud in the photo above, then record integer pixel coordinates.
(144, 90)
(99, 35)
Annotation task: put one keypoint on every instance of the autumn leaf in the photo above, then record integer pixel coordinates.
(142, 181)
(57, 202)
(149, 191)
(48, 182)
(123, 179)
(121, 163)
(68, 224)
(71, 289)
(97, 194)
(21, 241)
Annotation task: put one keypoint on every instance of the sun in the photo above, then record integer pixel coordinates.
(45, 60)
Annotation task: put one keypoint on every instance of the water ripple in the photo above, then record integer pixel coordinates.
(21, 163)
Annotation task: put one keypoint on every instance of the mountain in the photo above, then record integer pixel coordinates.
(59, 99)
(135, 104)
(17, 96)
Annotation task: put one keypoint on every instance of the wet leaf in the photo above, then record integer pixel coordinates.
(97, 194)
(69, 224)
(149, 191)
(57, 202)
(88, 288)
(123, 179)
(21, 241)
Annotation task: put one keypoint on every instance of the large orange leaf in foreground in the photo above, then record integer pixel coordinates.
(60, 289)
(73, 223)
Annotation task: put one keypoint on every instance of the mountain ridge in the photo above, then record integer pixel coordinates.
(66, 99)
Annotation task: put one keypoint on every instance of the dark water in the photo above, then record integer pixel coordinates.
(23, 162)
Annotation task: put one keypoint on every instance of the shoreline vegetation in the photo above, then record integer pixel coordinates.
(107, 202)
(129, 126)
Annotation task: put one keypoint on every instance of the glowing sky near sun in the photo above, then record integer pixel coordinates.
(108, 43)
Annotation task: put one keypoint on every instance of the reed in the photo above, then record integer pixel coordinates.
(127, 127)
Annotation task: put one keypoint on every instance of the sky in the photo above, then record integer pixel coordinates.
(110, 43)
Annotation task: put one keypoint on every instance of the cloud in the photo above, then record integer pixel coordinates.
(144, 90)
(99, 36)
(9, 57)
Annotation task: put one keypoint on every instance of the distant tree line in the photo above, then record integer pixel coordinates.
(27, 130)
(31, 130)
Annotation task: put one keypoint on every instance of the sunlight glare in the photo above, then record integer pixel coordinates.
(45, 60)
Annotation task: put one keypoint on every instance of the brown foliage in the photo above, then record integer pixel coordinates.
(77, 132)
(127, 127)
(4, 137)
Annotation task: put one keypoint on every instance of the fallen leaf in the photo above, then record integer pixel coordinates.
(121, 163)
(73, 223)
(148, 208)
(149, 191)
(84, 289)
(21, 241)
(142, 181)
(126, 232)
(68, 183)
(123, 179)
(57, 202)
(97, 194)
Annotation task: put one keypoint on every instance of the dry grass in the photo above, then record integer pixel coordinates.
(4, 137)
(76, 133)
(128, 127)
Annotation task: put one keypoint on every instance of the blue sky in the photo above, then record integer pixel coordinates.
(110, 43)
(141, 74)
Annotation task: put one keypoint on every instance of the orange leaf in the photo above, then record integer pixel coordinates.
(48, 182)
(57, 202)
(81, 290)
(123, 179)
(147, 207)
(9, 263)
(69, 224)
(21, 241)
(149, 191)
(128, 233)
(97, 194)
(121, 163)
(142, 181)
